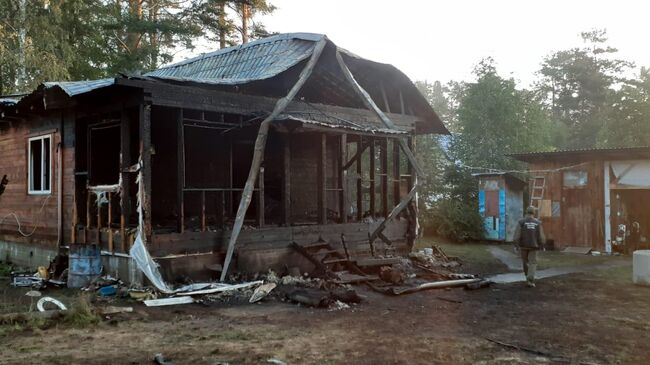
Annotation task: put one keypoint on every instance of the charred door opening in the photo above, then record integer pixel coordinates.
(104, 154)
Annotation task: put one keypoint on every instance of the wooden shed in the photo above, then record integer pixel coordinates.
(239, 154)
(592, 197)
(500, 199)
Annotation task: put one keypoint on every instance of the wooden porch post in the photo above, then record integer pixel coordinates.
(373, 186)
(286, 181)
(260, 198)
(384, 176)
(396, 173)
(322, 180)
(145, 153)
(359, 181)
(180, 175)
(343, 178)
(125, 188)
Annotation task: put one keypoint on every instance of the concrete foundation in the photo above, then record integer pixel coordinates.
(641, 267)
(32, 256)
(26, 255)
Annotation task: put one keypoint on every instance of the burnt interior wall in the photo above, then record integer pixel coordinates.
(164, 141)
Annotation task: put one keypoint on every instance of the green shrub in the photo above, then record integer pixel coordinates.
(453, 219)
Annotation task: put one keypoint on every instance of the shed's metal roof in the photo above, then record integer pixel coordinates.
(257, 60)
(585, 154)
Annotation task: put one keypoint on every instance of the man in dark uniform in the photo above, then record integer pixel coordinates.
(529, 237)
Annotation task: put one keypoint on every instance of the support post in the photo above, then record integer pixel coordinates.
(260, 198)
(203, 224)
(343, 178)
(88, 202)
(110, 222)
(258, 155)
(373, 185)
(125, 187)
(608, 216)
(383, 154)
(322, 180)
(286, 181)
(180, 171)
(397, 177)
(145, 153)
(359, 181)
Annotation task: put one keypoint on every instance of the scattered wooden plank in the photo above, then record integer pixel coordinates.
(347, 278)
(578, 250)
(370, 262)
(168, 301)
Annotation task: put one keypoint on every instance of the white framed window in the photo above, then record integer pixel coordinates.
(575, 179)
(39, 154)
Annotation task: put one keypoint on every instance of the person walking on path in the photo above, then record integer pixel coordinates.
(529, 238)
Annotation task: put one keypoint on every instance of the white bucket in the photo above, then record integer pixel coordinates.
(641, 267)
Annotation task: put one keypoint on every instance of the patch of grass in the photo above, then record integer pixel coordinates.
(620, 275)
(5, 269)
(81, 313)
(547, 259)
(476, 257)
(234, 336)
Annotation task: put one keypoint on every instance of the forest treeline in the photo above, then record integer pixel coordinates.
(583, 97)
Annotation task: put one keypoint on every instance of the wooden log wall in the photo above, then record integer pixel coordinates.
(37, 210)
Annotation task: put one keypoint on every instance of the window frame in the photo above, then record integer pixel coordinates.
(30, 175)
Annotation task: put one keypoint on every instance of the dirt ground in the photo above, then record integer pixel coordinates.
(598, 317)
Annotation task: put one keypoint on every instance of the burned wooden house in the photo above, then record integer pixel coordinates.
(242, 154)
(593, 198)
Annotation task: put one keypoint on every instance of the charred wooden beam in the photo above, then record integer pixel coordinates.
(286, 180)
(343, 179)
(145, 153)
(373, 185)
(260, 198)
(370, 104)
(110, 222)
(322, 180)
(361, 148)
(176, 96)
(396, 210)
(180, 171)
(125, 187)
(359, 180)
(384, 176)
(258, 154)
(397, 177)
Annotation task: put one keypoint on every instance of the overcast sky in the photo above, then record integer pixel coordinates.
(436, 40)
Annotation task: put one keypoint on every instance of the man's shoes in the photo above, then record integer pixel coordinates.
(530, 284)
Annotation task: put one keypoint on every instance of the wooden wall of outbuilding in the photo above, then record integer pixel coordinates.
(581, 215)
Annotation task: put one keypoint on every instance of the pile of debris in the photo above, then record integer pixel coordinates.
(425, 269)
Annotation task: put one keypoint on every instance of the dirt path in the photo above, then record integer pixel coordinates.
(576, 317)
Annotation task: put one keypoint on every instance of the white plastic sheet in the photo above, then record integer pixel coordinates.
(147, 265)
(632, 173)
(139, 252)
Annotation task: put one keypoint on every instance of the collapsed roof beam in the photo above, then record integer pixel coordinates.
(258, 154)
(370, 104)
